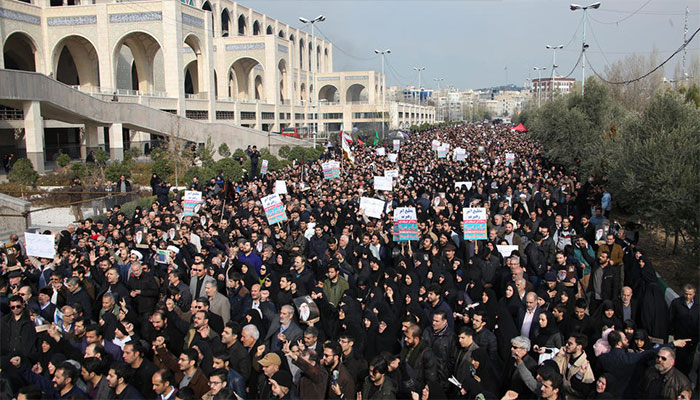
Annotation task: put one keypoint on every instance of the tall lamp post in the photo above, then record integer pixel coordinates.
(554, 66)
(584, 45)
(313, 99)
(382, 53)
(438, 80)
(539, 83)
(420, 91)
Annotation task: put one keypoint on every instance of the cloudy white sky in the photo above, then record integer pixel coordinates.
(470, 43)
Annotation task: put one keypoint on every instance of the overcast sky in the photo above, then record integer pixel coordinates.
(470, 43)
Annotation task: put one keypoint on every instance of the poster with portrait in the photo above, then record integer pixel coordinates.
(306, 309)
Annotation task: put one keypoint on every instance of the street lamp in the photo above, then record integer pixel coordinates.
(420, 91)
(584, 46)
(382, 53)
(438, 80)
(539, 82)
(320, 18)
(554, 66)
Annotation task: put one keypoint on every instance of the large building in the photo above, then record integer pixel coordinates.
(136, 70)
(548, 88)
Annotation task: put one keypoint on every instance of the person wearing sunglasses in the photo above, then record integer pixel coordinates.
(17, 334)
(664, 380)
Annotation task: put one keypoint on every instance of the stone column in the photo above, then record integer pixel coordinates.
(34, 134)
(89, 139)
(172, 57)
(116, 142)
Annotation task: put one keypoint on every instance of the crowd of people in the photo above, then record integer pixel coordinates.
(328, 305)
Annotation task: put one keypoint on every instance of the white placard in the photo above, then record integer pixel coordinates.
(506, 250)
(381, 151)
(373, 207)
(467, 184)
(392, 157)
(434, 144)
(38, 245)
(383, 183)
(280, 187)
(392, 173)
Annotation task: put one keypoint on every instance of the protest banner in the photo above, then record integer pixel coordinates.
(474, 223)
(510, 158)
(381, 151)
(460, 154)
(434, 144)
(280, 187)
(274, 209)
(392, 173)
(383, 183)
(442, 152)
(397, 144)
(468, 185)
(372, 207)
(506, 250)
(192, 198)
(263, 167)
(406, 223)
(38, 245)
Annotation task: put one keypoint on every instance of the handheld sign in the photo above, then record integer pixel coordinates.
(392, 157)
(406, 224)
(331, 169)
(192, 198)
(263, 167)
(372, 207)
(510, 158)
(280, 187)
(397, 144)
(442, 151)
(39, 245)
(391, 173)
(434, 144)
(474, 222)
(383, 183)
(381, 151)
(506, 250)
(468, 185)
(460, 154)
(274, 209)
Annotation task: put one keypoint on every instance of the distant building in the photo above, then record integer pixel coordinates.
(549, 88)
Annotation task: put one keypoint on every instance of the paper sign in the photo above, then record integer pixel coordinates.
(274, 209)
(381, 151)
(392, 173)
(331, 169)
(383, 183)
(406, 224)
(192, 199)
(460, 154)
(162, 256)
(468, 185)
(442, 152)
(510, 158)
(392, 157)
(372, 207)
(263, 167)
(434, 144)
(474, 223)
(38, 245)
(506, 250)
(280, 187)
(397, 144)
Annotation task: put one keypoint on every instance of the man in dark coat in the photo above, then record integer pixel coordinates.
(417, 355)
(143, 290)
(17, 334)
(684, 318)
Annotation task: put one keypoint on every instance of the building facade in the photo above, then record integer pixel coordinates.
(213, 61)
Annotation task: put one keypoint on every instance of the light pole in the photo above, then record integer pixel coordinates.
(382, 53)
(314, 99)
(584, 46)
(438, 80)
(539, 83)
(554, 66)
(420, 91)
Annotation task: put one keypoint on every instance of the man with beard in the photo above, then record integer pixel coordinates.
(341, 383)
(118, 376)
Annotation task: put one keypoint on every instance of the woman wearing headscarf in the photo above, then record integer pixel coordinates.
(607, 318)
(549, 336)
(489, 304)
(511, 301)
(484, 379)
(653, 304)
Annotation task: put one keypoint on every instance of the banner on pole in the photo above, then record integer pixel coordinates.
(474, 223)
(274, 209)
(192, 199)
(406, 224)
(263, 167)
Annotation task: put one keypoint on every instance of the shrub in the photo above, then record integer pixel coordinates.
(117, 169)
(284, 151)
(63, 160)
(232, 169)
(23, 173)
(224, 151)
(79, 169)
(239, 153)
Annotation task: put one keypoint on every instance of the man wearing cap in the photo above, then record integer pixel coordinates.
(282, 386)
(270, 365)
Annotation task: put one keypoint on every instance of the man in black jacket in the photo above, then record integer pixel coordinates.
(17, 334)
(143, 290)
(442, 340)
(419, 357)
(684, 319)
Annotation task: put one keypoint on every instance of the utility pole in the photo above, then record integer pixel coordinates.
(554, 67)
(539, 84)
(314, 99)
(382, 53)
(420, 91)
(685, 49)
(584, 45)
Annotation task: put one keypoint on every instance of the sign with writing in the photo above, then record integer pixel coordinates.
(39, 245)
(442, 151)
(397, 144)
(406, 224)
(474, 223)
(381, 151)
(274, 209)
(372, 207)
(192, 198)
(392, 173)
(383, 183)
(468, 185)
(510, 158)
(460, 154)
(506, 250)
(331, 169)
(392, 157)
(280, 187)
(263, 167)
(434, 144)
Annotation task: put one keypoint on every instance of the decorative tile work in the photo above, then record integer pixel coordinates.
(76, 20)
(135, 17)
(355, 77)
(282, 48)
(328, 78)
(19, 16)
(193, 21)
(187, 49)
(245, 46)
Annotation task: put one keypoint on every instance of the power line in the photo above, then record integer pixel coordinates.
(624, 18)
(335, 46)
(575, 65)
(397, 72)
(595, 38)
(650, 72)
(575, 32)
